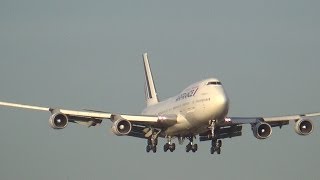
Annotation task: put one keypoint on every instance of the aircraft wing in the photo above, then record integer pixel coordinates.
(290, 118)
(60, 117)
(262, 126)
(271, 120)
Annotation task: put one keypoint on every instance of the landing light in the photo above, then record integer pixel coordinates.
(227, 119)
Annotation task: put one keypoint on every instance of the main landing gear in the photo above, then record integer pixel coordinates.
(191, 146)
(152, 145)
(216, 146)
(169, 146)
(153, 142)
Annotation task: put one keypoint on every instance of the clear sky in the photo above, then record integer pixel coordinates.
(87, 54)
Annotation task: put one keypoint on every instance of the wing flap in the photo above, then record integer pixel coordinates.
(164, 120)
(241, 120)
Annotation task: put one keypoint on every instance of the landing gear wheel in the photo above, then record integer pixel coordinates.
(148, 148)
(154, 149)
(216, 146)
(172, 147)
(212, 150)
(219, 143)
(191, 146)
(194, 147)
(152, 144)
(169, 146)
(166, 147)
(219, 150)
(188, 148)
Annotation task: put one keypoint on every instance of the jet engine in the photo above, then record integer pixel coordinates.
(58, 121)
(121, 127)
(261, 130)
(303, 127)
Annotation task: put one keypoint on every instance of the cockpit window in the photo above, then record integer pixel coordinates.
(214, 83)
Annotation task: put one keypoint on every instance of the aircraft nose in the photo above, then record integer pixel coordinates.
(222, 104)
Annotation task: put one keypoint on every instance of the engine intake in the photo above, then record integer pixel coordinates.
(303, 127)
(121, 127)
(58, 121)
(262, 130)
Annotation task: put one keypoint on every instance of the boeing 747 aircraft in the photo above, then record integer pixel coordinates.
(200, 110)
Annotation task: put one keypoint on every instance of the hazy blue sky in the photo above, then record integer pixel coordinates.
(87, 54)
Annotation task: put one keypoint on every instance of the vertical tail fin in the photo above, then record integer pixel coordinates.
(151, 94)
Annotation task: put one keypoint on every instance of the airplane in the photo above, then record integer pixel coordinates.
(200, 110)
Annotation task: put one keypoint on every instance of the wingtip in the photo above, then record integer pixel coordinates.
(145, 56)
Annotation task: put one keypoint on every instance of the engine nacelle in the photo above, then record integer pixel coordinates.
(58, 121)
(262, 130)
(303, 127)
(121, 127)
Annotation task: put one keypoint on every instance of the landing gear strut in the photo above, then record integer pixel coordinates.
(215, 144)
(169, 145)
(191, 146)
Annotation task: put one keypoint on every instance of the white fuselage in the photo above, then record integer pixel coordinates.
(195, 107)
